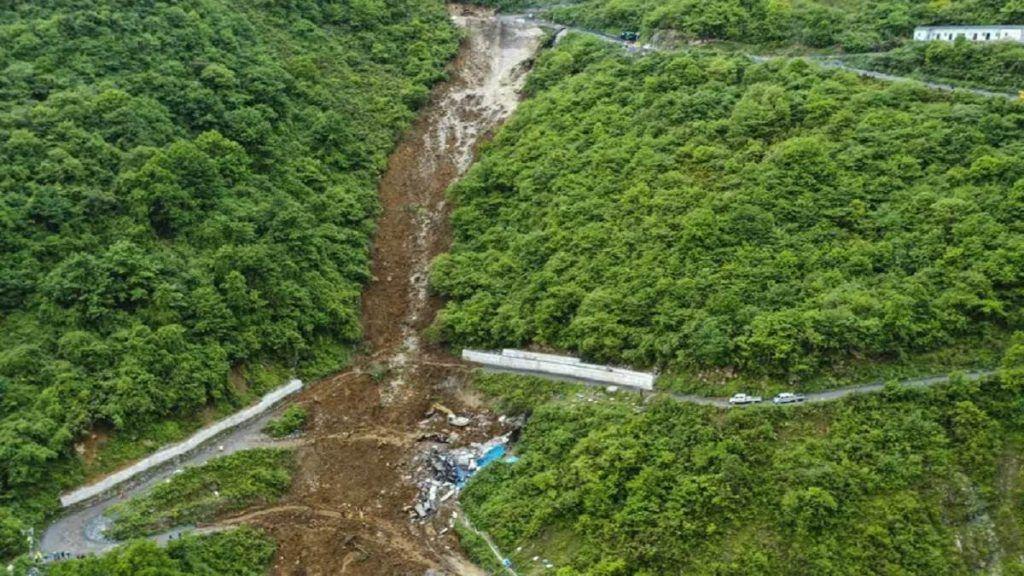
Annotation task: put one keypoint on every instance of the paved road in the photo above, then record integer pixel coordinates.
(80, 529)
(828, 62)
(720, 402)
(831, 395)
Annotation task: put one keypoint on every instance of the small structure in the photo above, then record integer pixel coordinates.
(992, 33)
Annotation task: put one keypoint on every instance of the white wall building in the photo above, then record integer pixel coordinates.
(972, 33)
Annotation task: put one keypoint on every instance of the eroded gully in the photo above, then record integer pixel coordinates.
(347, 511)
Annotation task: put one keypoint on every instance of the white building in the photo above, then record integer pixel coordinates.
(972, 33)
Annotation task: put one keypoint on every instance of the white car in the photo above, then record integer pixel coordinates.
(788, 398)
(739, 399)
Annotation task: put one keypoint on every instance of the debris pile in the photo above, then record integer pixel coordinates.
(444, 472)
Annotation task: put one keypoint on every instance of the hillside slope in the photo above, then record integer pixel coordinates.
(907, 482)
(991, 66)
(702, 213)
(853, 25)
(185, 186)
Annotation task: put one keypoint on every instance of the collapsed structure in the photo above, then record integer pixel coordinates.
(448, 470)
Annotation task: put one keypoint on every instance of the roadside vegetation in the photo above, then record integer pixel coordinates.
(853, 25)
(292, 420)
(476, 548)
(924, 481)
(185, 187)
(712, 217)
(240, 552)
(991, 65)
(202, 493)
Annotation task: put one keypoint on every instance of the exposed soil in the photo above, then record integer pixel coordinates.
(348, 511)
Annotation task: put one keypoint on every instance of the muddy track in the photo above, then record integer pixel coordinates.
(347, 512)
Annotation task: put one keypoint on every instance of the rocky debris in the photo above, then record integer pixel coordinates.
(438, 437)
(453, 418)
(459, 421)
(443, 471)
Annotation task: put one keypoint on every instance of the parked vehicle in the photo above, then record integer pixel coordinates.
(788, 398)
(629, 36)
(739, 399)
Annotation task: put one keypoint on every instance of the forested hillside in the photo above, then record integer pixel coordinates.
(185, 187)
(701, 213)
(903, 482)
(854, 25)
(992, 65)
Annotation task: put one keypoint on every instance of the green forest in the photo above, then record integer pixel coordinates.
(853, 25)
(186, 187)
(704, 214)
(203, 493)
(992, 65)
(899, 483)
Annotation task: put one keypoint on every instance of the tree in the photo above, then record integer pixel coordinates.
(12, 536)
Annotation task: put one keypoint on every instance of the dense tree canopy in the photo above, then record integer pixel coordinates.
(697, 212)
(988, 65)
(899, 483)
(855, 25)
(185, 186)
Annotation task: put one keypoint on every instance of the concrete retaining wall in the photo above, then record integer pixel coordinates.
(566, 366)
(176, 450)
(527, 355)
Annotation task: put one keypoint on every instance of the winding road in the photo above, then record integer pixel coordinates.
(79, 531)
(838, 393)
(721, 402)
(825, 61)
(892, 78)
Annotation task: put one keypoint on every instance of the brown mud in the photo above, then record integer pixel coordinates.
(348, 510)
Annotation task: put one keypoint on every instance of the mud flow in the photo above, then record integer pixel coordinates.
(350, 508)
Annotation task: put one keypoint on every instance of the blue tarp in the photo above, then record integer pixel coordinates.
(490, 456)
(494, 453)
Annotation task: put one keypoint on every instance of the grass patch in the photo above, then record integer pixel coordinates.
(241, 552)
(202, 493)
(290, 421)
(521, 394)
(555, 544)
